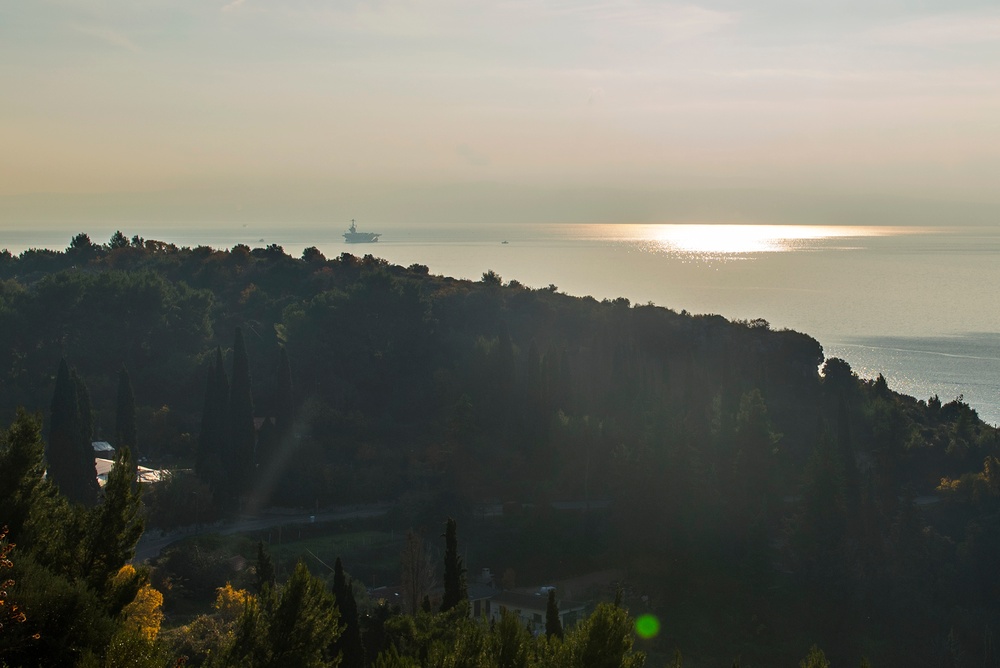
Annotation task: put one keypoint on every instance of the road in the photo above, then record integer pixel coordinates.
(153, 542)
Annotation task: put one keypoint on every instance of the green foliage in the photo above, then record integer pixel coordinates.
(291, 627)
(29, 503)
(814, 659)
(604, 640)
(114, 526)
(68, 580)
(63, 612)
(391, 658)
(118, 240)
(130, 649)
(510, 644)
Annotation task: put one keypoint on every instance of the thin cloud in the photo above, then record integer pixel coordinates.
(234, 5)
(108, 36)
(676, 21)
(942, 30)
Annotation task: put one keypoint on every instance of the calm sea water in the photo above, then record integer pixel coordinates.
(918, 305)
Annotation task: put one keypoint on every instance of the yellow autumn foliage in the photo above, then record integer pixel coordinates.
(145, 612)
(230, 602)
(124, 575)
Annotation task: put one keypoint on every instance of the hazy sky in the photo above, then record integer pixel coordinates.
(553, 110)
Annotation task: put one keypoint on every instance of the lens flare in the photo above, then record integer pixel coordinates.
(647, 626)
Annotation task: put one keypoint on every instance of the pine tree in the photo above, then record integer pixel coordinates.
(240, 463)
(553, 627)
(605, 640)
(125, 430)
(29, 503)
(303, 622)
(455, 590)
(349, 643)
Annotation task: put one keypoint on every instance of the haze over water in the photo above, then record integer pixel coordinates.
(915, 304)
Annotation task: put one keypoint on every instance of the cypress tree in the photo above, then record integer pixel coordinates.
(62, 429)
(70, 453)
(267, 448)
(242, 438)
(205, 441)
(553, 627)
(284, 405)
(264, 569)
(214, 437)
(86, 476)
(349, 643)
(125, 430)
(455, 590)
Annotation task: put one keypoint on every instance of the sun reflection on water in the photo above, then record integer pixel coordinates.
(733, 241)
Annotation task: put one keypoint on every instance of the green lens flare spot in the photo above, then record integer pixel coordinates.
(647, 626)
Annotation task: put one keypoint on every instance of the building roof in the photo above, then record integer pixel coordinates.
(143, 474)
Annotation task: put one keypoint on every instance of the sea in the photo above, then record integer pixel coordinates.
(919, 305)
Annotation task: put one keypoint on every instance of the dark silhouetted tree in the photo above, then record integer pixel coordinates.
(284, 405)
(81, 248)
(240, 463)
(264, 569)
(455, 590)
(349, 643)
(125, 430)
(70, 454)
(214, 436)
(553, 627)
(118, 240)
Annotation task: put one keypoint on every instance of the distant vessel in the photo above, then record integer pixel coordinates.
(352, 236)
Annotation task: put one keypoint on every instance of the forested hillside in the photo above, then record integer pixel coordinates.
(760, 497)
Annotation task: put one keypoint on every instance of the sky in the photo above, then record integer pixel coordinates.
(854, 112)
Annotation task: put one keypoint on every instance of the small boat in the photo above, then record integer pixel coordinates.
(352, 236)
